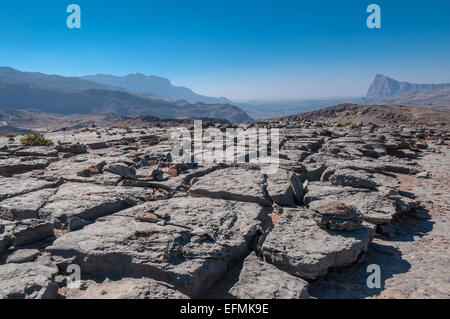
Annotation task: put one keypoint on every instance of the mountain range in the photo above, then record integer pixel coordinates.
(382, 91)
(155, 85)
(71, 95)
(138, 94)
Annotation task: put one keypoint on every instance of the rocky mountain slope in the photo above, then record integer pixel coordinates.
(114, 203)
(37, 120)
(437, 98)
(26, 121)
(60, 95)
(378, 114)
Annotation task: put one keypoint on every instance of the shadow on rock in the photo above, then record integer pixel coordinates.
(416, 223)
(351, 282)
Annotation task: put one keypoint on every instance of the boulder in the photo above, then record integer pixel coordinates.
(300, 247)
(22, 256)
(72, 148)
(27, 206)
(261, 280)
(6, 230)
(246, 185)
(121, 169)
(81, 168)
(279, 188)
(13, 166)
(125, 288)
(31, 231)
(27, 281)
(348, 177)
(336, 215)
(315, 171)
(37, 151)
(89, 202)
(16, 186)
(376, 207)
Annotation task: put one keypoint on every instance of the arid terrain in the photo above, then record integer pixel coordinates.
(380, 115)
(113, 203)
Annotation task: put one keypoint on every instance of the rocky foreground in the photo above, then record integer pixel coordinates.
(112, 202)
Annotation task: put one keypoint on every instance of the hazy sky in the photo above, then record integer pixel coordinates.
(242, 49)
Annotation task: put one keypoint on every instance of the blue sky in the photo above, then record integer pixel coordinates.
(239, 49)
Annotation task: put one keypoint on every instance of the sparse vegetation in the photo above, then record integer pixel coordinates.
(349, 124)
(35, 139)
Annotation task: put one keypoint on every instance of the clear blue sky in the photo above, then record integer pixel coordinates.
(242, 49)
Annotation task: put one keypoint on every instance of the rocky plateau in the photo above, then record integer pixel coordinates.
(137, 224)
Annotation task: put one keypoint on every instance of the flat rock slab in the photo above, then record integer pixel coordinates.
(31, 231)
(191, 247)
(261, 280)
(384, 164)
(37, 151)
(279, 188)
(89, 202)
(126, 288)
(352, 178)
(300, 247)
(15, 186)
(27, 281)
(358, 178)
(75, 169)
(6, 230)
(23, 256)
(12, 166)
(27, 206)
(184, 179)
(376, 207)
(245, 185)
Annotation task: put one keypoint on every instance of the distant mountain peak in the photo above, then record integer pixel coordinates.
(384, 87)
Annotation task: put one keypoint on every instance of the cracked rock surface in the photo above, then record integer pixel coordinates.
(140, 225)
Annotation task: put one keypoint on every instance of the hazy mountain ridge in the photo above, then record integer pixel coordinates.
(155, 85)
(50, 82)
(61, 95)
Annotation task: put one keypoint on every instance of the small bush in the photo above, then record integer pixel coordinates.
(349, 124)
(35, 140)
